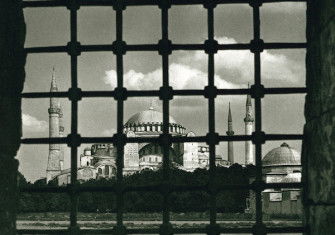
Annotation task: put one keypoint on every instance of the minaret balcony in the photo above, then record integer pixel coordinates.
(54, 110)
(248, 119)
(230, 133)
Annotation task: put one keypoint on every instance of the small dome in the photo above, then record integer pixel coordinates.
(281, 156)
(148, 116)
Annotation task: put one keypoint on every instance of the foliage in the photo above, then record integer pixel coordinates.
(228, 201)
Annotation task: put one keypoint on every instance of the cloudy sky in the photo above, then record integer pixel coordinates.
(284, 22)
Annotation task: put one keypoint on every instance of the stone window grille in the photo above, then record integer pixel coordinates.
(164, 47)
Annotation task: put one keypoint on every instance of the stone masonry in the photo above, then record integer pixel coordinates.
(318, 155)
(12, 74)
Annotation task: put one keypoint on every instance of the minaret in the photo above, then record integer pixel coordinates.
(151, 104)
(230, 132)
(53, 167)
(61, 134)
(248, 120)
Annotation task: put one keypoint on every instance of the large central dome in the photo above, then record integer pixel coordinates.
(148, 116)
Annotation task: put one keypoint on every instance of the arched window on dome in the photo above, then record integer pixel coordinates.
(107, 170)
(113, 171)
(100, 171)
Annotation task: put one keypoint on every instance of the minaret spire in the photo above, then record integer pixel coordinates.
(53, 87)
(54, 158)
(249, 120)
(229, 115)
(61, 134)
(248, 103)
(151, 105)
(230, 132)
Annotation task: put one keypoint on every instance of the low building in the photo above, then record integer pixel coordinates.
(280, 165)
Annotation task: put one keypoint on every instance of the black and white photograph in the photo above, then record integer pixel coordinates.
(167, 117)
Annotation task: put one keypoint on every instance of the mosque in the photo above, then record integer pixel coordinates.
(99, 160)
(281, 164)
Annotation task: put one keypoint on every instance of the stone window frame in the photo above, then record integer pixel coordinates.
(165, 47)
(296, 195)
(276, 193)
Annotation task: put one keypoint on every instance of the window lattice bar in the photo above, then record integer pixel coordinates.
(158, 188)
(74, 119)
(155, 93)
(119, 143)
(62, 3)
(175, 47)
(164, 51)
(176, 231)
(174, 139)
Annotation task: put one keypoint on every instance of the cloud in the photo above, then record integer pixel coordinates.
(32, 124)
(238, 66)
(181, 76)
(135, 80)
(233, 69)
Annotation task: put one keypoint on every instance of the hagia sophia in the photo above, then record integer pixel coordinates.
(281, 164)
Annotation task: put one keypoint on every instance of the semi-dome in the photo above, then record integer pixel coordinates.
(148, 116)
(282, 156)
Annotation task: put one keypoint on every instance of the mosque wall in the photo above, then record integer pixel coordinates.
(286, 202)
(131, 154)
